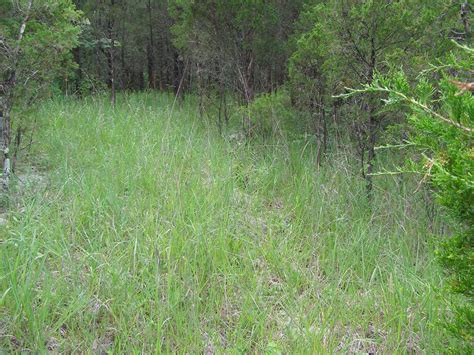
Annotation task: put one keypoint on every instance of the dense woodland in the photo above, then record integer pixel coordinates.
(369, 99)
(226, 50)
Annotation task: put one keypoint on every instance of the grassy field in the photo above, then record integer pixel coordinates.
(146, 230)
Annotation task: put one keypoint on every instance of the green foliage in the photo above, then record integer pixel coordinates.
(310, 64)
(270, 115)
(341, 44)
(52, 30)
(442, 119)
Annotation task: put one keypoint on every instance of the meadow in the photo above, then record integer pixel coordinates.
(148, 231)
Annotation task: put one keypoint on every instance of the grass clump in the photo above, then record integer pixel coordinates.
(155, 234)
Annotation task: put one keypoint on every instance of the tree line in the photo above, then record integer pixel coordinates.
(245, 48)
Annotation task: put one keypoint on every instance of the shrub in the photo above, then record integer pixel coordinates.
(441, 114)
(269, 115)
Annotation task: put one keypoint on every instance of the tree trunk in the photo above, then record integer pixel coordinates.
(111, 61)
(319, 130)
(323, 124)
(111, 58)
(325, 133)
(178, 75)
(4, 143)
(226, 115)
(123, 70)
(371, 149)
(335, 120)
(465, 19)
(151, 51)
(78, 82)
(372, 124)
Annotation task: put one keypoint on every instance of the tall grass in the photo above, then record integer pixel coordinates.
(155, 234)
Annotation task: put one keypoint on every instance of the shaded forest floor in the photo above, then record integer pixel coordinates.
(151, 232)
